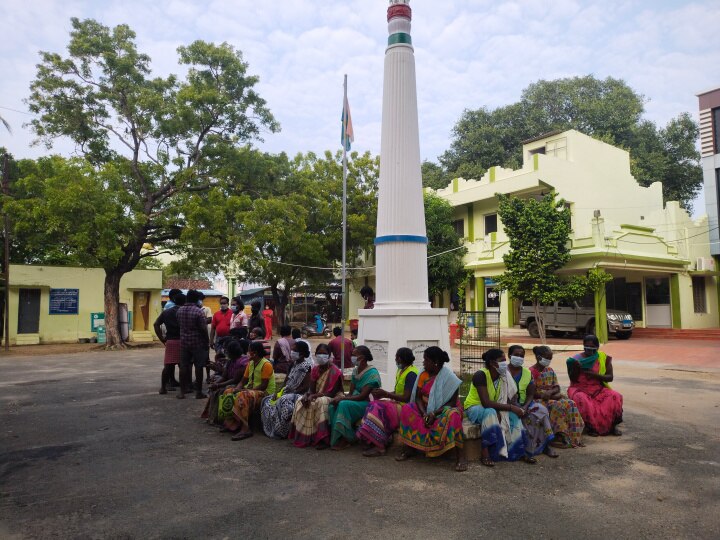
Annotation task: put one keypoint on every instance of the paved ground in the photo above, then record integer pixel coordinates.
(89, 450)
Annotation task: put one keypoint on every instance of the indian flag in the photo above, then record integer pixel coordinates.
(347, 136)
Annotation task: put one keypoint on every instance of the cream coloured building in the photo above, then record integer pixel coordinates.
(659, 257)
(64, 304)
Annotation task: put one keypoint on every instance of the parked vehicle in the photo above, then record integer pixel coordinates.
(561, 317)
(320, 328)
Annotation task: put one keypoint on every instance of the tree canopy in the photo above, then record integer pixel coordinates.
(607, 109)
(446, 271)
(538, 233)
(150, 144)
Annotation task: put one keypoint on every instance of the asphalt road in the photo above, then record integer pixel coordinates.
(88, 449)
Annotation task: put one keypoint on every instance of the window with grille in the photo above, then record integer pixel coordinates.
(490, 223)
(459, 226)
(698, 287)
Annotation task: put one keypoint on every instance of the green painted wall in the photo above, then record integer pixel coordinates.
(675, 301)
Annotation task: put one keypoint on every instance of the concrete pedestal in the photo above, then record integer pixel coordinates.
(384, 331)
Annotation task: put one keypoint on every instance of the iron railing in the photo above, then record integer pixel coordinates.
(479, 331)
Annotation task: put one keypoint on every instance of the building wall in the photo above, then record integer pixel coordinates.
(90, 282)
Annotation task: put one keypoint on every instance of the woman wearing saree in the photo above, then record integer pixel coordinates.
(536, 418)
(567, 424)
(432, 420)
(489, 404)
(382, 416)
(276, 411)
(237, 361)
(310, 425)
(347, 410)
(590, 372)
(258, 380)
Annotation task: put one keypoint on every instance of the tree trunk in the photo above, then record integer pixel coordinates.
(540, 322)
(112, 309)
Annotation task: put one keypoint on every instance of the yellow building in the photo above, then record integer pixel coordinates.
(62, 304)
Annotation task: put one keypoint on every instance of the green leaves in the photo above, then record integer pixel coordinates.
(538, 232)
(446, 271)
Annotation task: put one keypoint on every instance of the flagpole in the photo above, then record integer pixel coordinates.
(344, 236)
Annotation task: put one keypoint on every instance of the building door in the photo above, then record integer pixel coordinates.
(29, 311)
(141, 310)
(657, 300)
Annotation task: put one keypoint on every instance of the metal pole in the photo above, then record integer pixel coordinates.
(6, 191)
(344, 240)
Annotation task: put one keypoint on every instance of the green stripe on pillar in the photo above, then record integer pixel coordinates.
(399, 38)
(455, 185)
(536, 164)
(471, 222)
(492, 174)
(675, 300)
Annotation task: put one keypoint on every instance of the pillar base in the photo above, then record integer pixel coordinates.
(384, 331)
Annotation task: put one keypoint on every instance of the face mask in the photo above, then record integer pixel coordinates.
(322, 359)
(399, 365)
(517, 361)
(234, 309)
(590, 350)
(354, 360)
(294, 356)
(223, 308)
(502, 367)
(544, 362)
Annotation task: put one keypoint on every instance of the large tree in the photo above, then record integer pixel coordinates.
(159, 139)
(446, 269)
(607, 109)
(282, 234)
(538, 233)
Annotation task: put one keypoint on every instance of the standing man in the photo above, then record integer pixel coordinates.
(335, 346)
(194, 343)
(220, 325)
(171, 298)
(256, 318)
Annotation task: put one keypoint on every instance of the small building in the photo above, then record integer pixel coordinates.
(709, 103)
(64, 304)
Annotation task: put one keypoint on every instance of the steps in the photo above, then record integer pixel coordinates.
(702, 334)
(142, 337)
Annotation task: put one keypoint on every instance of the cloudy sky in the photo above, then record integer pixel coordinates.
(469, 53)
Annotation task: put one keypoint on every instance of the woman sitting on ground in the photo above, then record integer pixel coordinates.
(567, 424)
(432, 420)
(347, 409)
(590, 372)
(237, 361)
(277, 410)
(489, 404)
(257, 382)
(310, 425)
(382, 416)
(536, 418)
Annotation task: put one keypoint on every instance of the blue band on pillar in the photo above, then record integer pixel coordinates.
(401, 238)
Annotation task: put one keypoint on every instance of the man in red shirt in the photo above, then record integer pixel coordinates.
(335, 345)
(220, 325)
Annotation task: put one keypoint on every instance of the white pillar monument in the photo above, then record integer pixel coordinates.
(402, 316)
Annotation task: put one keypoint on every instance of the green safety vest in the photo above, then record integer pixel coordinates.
(525, 380)
(253, 384)
(473, 398)
(400, 377)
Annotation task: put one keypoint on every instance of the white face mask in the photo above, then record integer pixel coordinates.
(544, 362)
(354, 360)
(502, 367)
(322, 359)
(294, 356)
(199, 303)
(517, 361)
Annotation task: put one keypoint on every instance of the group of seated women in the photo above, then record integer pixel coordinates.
(521, 411)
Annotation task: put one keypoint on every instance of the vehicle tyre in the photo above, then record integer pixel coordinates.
(533, 329)
(556, 333)
(304, 334)
(623, 335)
(327, 332)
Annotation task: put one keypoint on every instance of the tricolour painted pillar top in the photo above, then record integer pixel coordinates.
(399, 15)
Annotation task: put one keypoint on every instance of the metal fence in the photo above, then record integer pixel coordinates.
(479, 331)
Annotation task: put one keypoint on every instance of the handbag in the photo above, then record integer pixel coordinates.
(225, 405)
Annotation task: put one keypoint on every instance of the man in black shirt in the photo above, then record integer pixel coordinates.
(171, 339)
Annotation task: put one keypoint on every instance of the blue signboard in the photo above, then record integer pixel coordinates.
(490, 282)
(64, 301)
